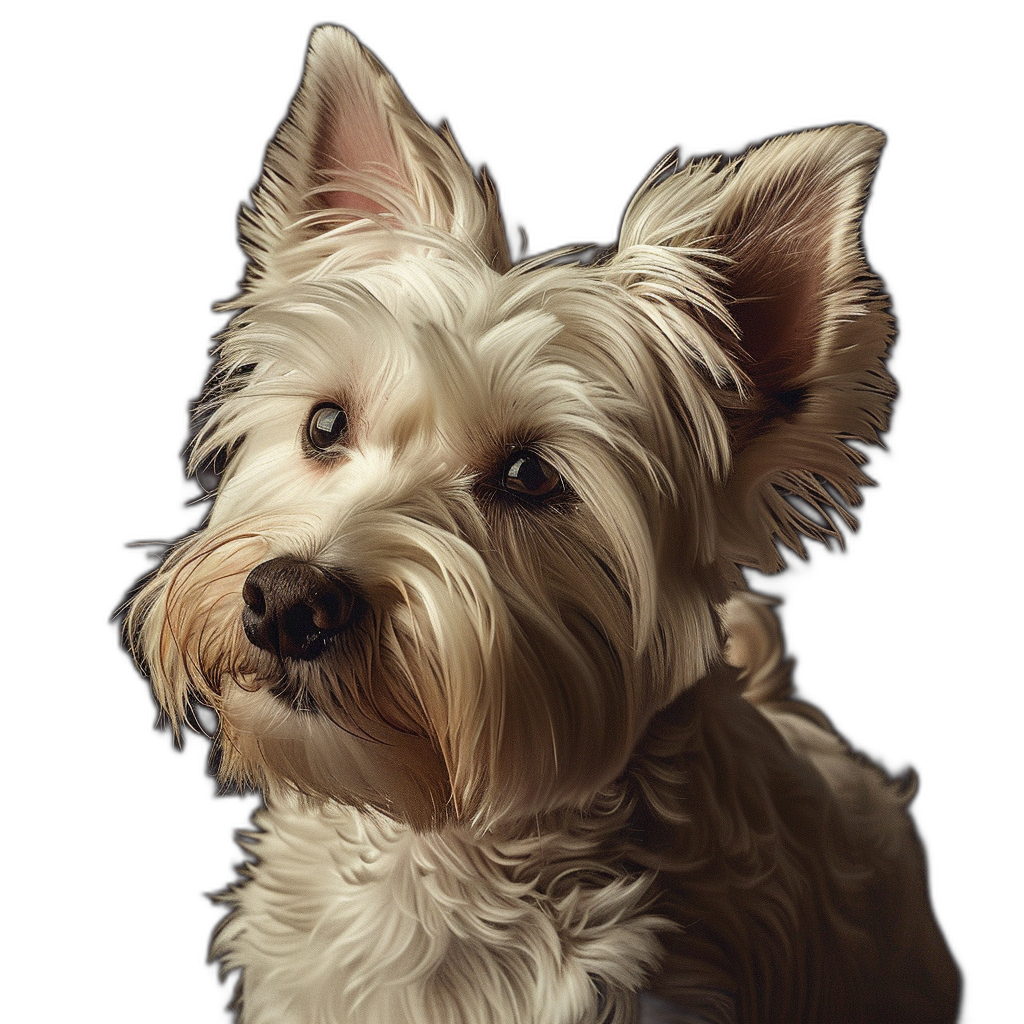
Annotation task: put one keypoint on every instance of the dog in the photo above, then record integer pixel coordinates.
(469, 604)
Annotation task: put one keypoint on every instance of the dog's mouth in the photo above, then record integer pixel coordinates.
(295, 695)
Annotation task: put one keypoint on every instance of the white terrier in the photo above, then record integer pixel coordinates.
(468, 604)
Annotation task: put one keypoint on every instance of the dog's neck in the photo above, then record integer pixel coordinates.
(564, 922)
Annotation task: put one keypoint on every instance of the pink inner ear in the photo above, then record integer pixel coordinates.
(357, 142)
(342, 200)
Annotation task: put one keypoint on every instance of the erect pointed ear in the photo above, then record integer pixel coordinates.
(352, 148)
(809, 326)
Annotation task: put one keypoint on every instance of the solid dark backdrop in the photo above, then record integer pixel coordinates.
(568, 117)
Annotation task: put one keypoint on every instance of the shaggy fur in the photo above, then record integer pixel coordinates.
(468, 604)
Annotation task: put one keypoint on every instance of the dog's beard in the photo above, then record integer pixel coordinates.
(461, 691)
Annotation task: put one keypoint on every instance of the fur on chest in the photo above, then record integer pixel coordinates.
(349, 917)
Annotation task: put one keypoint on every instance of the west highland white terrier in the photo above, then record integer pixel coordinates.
(468, 604)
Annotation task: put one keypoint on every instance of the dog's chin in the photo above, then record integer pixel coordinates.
(344, 728)
(351, 759)
(286, 735)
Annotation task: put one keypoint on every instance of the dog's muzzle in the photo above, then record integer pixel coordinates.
(293, 609)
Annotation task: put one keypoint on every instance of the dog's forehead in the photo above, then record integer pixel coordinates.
(464, 336)
(445, 309)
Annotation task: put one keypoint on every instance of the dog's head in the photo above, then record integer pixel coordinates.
(474, 520)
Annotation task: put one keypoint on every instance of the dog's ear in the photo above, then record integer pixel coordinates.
(352, 148)
(807, 326)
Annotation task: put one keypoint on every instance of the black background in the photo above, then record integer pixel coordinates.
(568, 115)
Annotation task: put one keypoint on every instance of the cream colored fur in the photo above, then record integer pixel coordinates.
(535, 756)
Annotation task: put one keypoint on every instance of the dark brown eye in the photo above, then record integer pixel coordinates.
(327, 426)
(526, 473)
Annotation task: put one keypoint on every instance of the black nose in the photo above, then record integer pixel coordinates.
(293, 608)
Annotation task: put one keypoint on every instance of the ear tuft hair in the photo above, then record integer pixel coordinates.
(352, 149)
(806, 323)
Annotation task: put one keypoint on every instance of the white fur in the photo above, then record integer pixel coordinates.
(350, 917)
(542, 755)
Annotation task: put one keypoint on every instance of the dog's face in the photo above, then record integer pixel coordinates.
(474, 521)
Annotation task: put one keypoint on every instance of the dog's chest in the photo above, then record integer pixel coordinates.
(349, 917)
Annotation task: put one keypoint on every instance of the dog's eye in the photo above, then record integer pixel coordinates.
(327, 426)
(528, 474)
